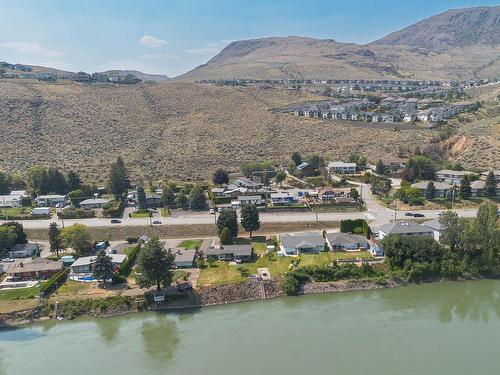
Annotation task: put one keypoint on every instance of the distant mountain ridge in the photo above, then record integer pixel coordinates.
(456, 44)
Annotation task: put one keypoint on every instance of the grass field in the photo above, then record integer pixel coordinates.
(18, 299)
(136, 215)
(191, 244)
(15, 211)
(322, 259)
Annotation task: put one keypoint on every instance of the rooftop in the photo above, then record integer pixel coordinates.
(183, 255)
(84, 261)
(36, 265)
(312, 239)
(402, 227)
(335, 238)
(236, 250)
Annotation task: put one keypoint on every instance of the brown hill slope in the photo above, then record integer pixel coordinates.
(458, 44)
(453, 28)
(169, 130)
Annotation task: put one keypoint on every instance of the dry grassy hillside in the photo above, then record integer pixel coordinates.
(170, 130)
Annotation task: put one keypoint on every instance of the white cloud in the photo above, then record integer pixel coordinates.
(159, 56)
(152, 42)
(31, 48)
(210, 48)
(128, 64)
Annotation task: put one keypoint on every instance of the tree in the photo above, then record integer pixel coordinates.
(225, 236)
(78, 238)
(4, 184)
(465, 188)
(182, 200)
(315, 161)
(452, 229)
(142, 202)
(76, 196)
(420, 167)
(37, 180)
(56, 182)
(380, 168)
(118, 178)
(228, 219)
(21, 237)
(197, 198)
(290, 284)
(154, 265)
(354, 193)
(490, 185)
(167, 197)
(430, 191)
(55, 240)
(220, 177)
(296, 158)
(280, 177)
(102, 267)
(7, 239)
(73, 181)
(250, 218)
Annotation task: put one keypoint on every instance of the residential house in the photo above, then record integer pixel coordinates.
(94, 203)
(281, 199)
(477, 188)
(36, 269)
(326, 195)
(404, 228)
(424, 116)
(300, 243)
(344, 199)
(442, 188)
(230, 252)
(483, 176)
(306, 169)
(50, 200)
(346, 242)
(341, 167)
(183, 258)
(248, 199)
(242, 182)
(153, 200)
(84, 265)
(451, 177)
(24, 250)
(409, 117)
(218, 191)
(10, 200)
(436, 227)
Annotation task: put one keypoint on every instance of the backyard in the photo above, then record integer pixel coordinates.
(191, 244)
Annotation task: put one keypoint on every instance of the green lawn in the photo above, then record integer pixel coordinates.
(15, 211)
(13, 294)
(322, 259)
(165, 212)
(191, 244)
(71, 287)
(179, 274)
(136, 215)
(219, 273)
(127, 250)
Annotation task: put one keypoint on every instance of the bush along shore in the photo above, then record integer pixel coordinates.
(250, 290)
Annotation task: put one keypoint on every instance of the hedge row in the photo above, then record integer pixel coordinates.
(54, 282)
(127, 265)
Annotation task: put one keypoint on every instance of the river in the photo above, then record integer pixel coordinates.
(441, 328)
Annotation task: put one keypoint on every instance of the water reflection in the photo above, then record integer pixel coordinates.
(20, 334)
(160, 338)
(109, 327)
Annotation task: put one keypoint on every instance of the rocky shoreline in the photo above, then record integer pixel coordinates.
(251, 290)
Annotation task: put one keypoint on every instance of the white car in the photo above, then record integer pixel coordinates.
(8, 260)
(212, 211)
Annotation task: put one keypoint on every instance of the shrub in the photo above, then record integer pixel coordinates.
(415, 201)
(118, 278)
(132, 239)
(127, 265)
(54, 282)
(290, 284)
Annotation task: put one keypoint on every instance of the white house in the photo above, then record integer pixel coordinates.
(83, 265)
(436, 227)
(248, 199)
(341, 167)
(94, 203)
(279, 199)
(346, 241)
(50, 200)
(10, 200)
(451, 177)
(404, 228)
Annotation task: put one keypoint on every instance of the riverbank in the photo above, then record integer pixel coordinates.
(251, 290)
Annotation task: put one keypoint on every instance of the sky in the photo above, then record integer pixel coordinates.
(174, 36)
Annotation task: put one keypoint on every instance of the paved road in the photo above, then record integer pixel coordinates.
(376, 214)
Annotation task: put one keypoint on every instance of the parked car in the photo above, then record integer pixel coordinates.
(7, 260)
(115, 221)
(409, 214)
(418, 215)
(212, 211)
(156, 222)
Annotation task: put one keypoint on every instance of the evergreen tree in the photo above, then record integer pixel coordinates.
(56, 182)
(168, 197)
(250, 218)
(452, 229)
(430, 191)
(55, 240)
(78, 238)
(225, 236)
(220, 177)
(354, 193)
(4, 184)
(280, 177)
(73, 181)
(465, 189)
(197, 198)
(296, 158)
(21, 236)
(490, 185)
(380, 168)
(102, 267)
(154, 265)
(119, 178)
(141, 198)
(228, 219)
(182, 200)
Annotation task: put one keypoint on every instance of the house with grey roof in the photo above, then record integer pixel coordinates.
(341, 167)
(230, 252)
(451, 177)
(83, 265)
(477, 188)
(442, 188)
(404, 228)
(346, 242)
(436, 227)
(299, 243)
(184, 258)
(94, 203)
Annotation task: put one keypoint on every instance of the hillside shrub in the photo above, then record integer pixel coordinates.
(54, 282)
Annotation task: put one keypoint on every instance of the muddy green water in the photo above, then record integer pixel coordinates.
(447, 328)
